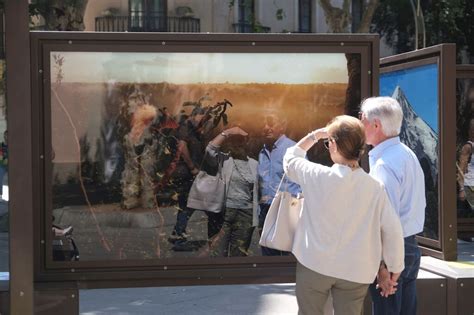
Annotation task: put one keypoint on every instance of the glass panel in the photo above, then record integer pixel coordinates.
(304, 10)
(4, 217)
(416, 89)
(157, 7)
(465, 163)
(137, 11)
(246, 11)
(136, 5)
(130, 132)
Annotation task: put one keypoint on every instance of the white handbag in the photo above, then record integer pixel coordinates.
(208, 192)
(281, 221)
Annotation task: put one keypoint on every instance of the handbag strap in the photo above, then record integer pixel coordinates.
(220, 162)
(281, 182)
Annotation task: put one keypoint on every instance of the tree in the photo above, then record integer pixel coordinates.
(446, 21)
(393, 23)
(451, 21)
(60, 15)
(338, 20)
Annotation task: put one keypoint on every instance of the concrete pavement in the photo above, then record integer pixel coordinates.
(263, 299)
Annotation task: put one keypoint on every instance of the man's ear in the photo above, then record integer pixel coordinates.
(377, 123)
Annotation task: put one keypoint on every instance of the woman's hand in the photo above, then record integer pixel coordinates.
(235, 131)
(321, 133)
(387, 282)
(311, 138)
(194, 171)
(220, 138)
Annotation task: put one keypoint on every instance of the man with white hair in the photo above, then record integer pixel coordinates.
(398, 168)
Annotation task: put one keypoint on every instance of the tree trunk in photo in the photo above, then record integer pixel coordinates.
(338, 20)
(352, 104)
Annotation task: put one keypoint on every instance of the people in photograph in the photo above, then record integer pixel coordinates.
(59, 231)
(241, 199)
(465, 175)
(397, 167)
(270, 168)
(140, 160)
(347, 223)
(3, 159)
(191, 148)
(465, 165)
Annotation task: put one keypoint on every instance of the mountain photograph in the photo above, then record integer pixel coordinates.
(423, 140)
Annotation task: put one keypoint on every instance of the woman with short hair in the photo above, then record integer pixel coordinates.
(347, 225)
(239, 171)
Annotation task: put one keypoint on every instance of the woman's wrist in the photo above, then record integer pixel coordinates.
(312, 136)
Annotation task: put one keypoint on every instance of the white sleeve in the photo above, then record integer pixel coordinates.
(298, 168)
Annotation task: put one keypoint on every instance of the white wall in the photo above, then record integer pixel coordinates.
(265, 11)
(224, 17)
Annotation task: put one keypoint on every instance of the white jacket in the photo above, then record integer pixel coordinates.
(348, 223)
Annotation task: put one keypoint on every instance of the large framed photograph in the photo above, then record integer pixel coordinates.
(423, 83)
(126, 138)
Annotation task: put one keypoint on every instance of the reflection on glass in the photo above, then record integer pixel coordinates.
(4, 221)
(416, 89)
(134, 133)
(4, 217)
(465, 163)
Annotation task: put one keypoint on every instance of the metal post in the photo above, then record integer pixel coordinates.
(419, 14)
(18, 98)
(415, 17)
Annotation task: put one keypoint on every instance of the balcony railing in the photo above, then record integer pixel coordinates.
(250, 28)
(146, 23)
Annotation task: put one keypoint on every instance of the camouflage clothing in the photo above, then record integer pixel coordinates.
(139, 174)
(236, 234)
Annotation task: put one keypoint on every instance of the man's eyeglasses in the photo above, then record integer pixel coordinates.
(360, 115)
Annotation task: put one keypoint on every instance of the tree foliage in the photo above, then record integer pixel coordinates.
(60, 15)
(446, 21)
(394, 21)
(450, 21)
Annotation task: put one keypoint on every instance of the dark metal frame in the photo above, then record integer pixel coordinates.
(21, 161)
(459, 287)
(166, 271)
(445, 57)
(465, 225)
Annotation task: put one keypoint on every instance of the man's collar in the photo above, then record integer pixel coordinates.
(276, 143)
(382, 146)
